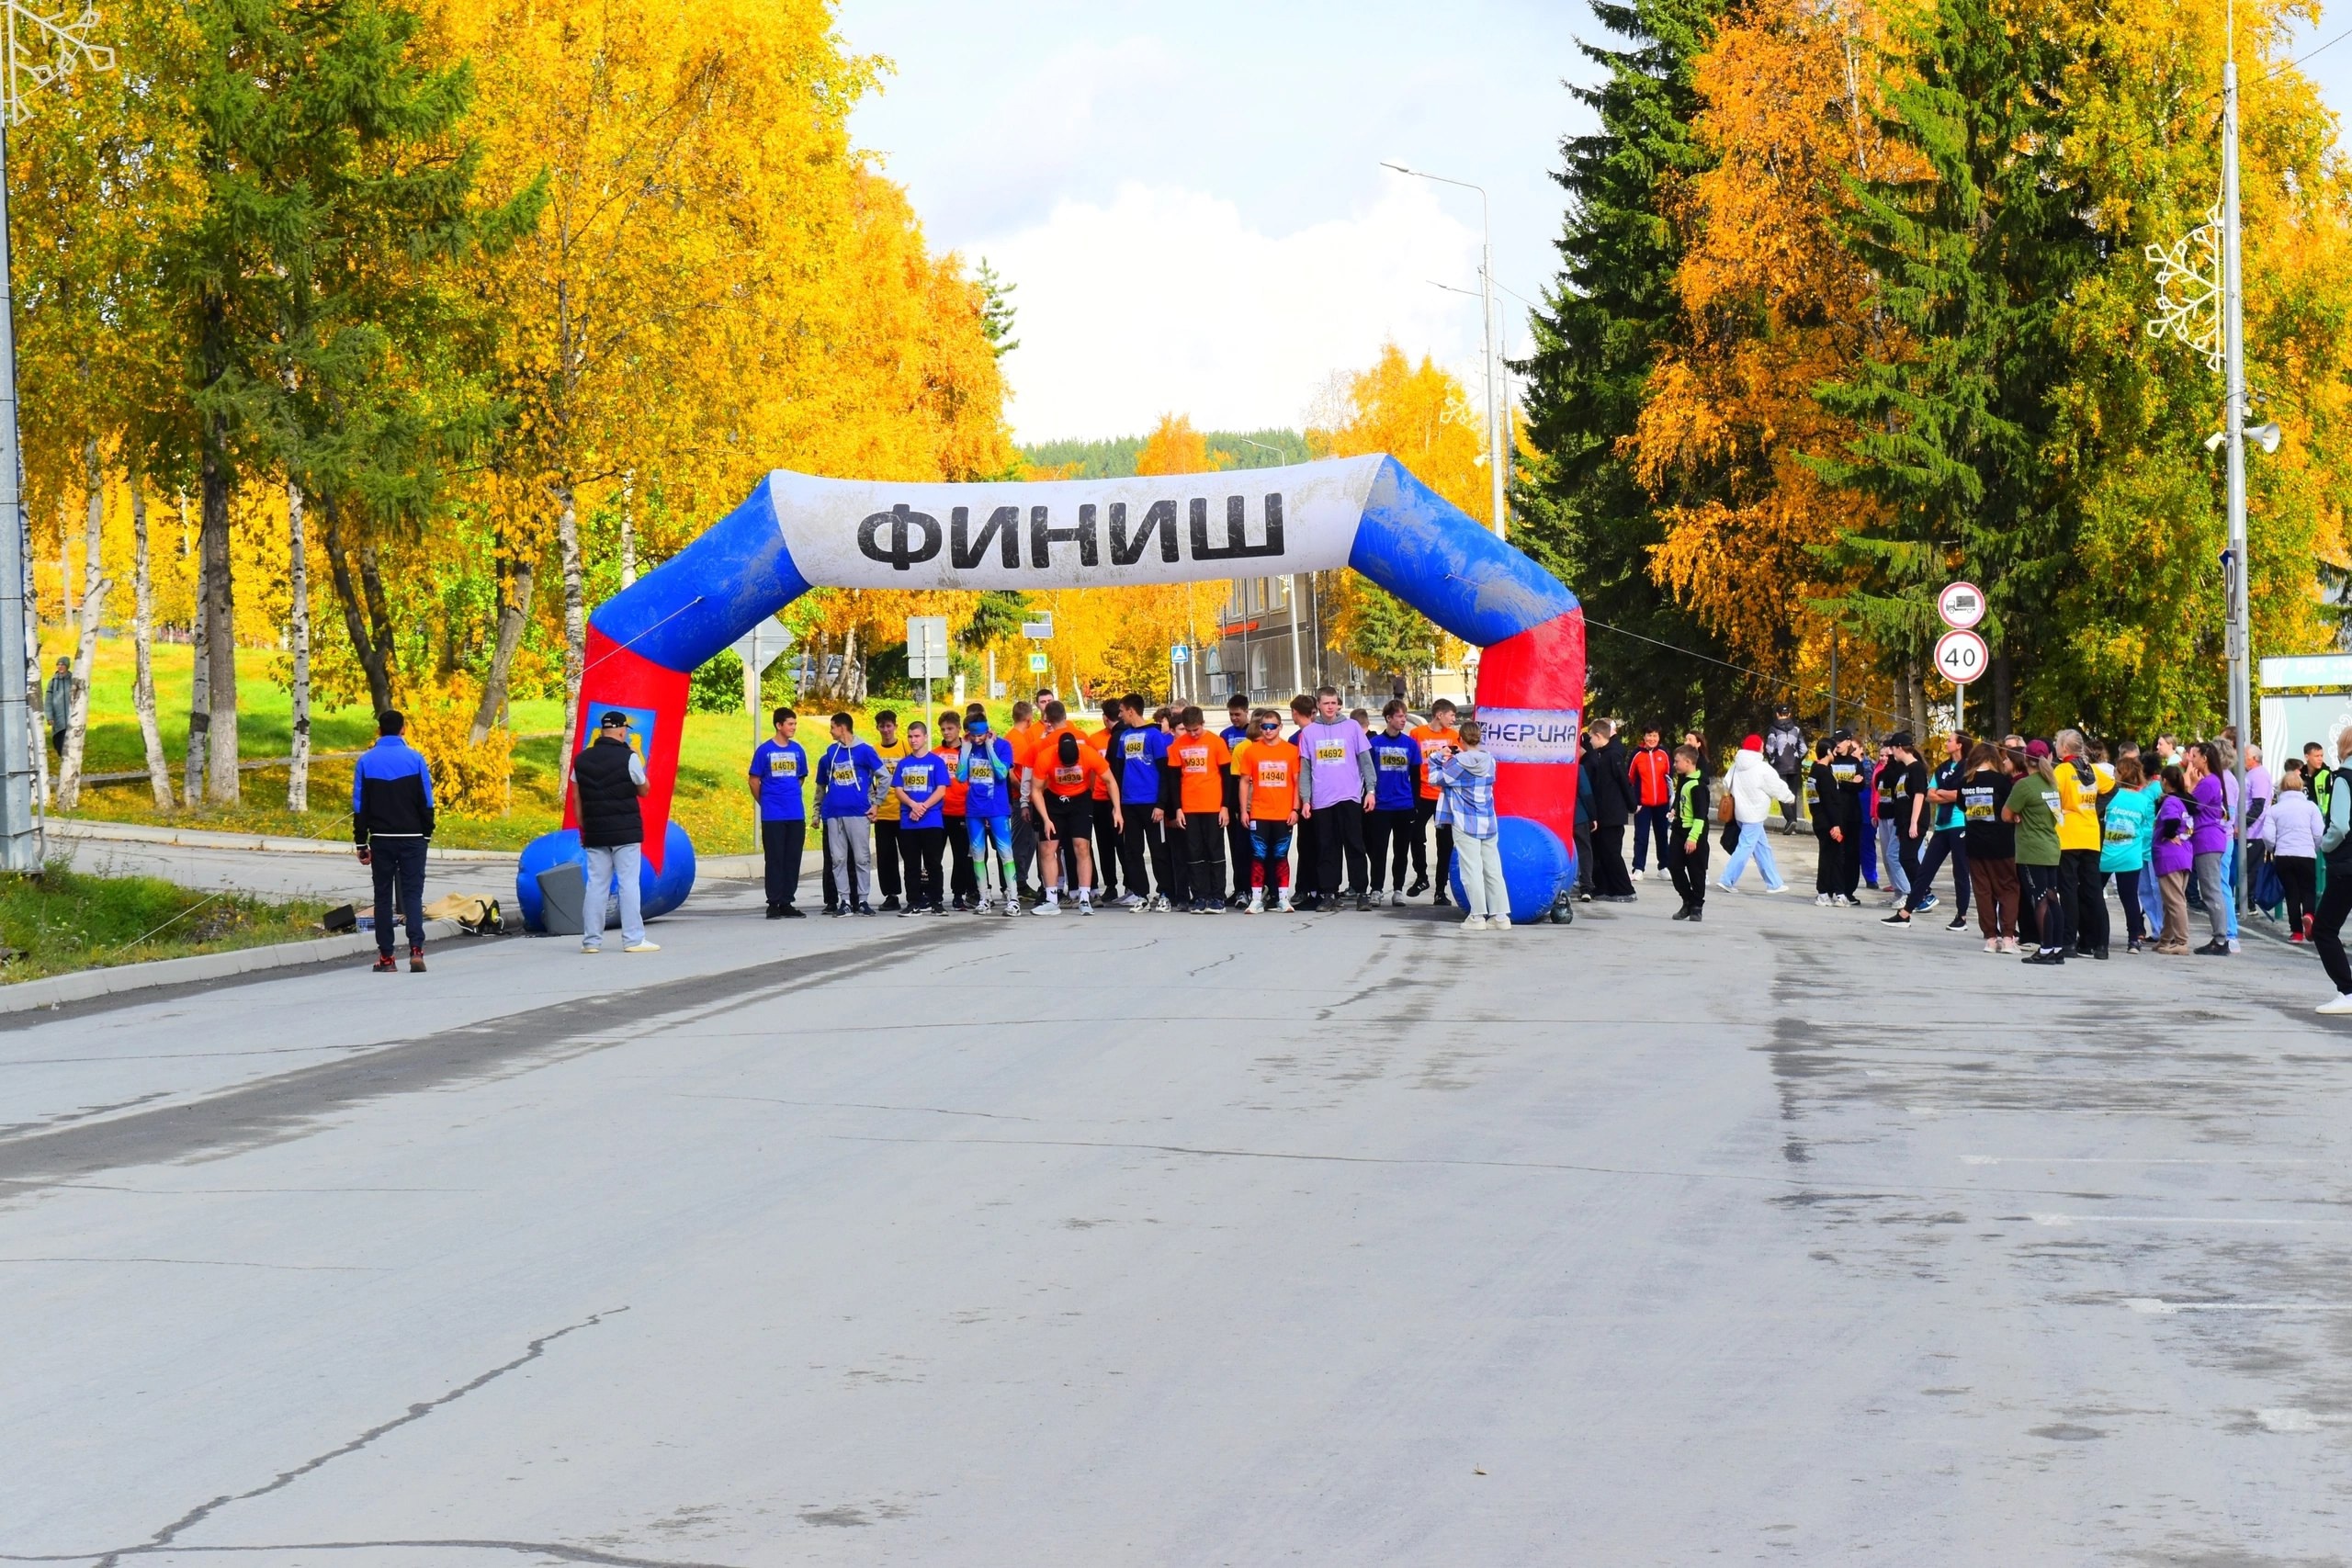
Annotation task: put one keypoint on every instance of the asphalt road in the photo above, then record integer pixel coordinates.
(1170, 1240)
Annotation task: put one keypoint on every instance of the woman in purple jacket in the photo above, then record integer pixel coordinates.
(2172, 855)
(2211, 840)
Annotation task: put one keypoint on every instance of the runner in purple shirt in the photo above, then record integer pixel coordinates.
(1339, 787)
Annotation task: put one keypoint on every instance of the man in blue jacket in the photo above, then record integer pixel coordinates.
(391, 821)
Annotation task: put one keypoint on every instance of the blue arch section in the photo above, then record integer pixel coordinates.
(1436, 558)
(701, 599)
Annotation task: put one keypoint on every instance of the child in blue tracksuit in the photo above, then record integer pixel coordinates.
(1395, 800)
(986, 770)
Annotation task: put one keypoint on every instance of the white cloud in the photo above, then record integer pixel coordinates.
(1165, 301)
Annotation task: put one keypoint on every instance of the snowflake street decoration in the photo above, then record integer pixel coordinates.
(2189, 288)
(43, 49)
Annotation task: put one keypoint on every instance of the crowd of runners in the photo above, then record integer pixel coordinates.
(1155, 809)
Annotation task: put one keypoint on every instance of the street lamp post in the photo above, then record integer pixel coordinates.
(1297, 669)
(67, 46)
(2201, 297)
(1497, 441)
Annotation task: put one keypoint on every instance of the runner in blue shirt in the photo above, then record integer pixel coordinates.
(919, 780)
(1396, 790)
(1138, 748)
(986, 771)
(846, 775)
(779, 773)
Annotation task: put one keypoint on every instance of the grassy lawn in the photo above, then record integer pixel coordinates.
(63, 920)
(711, 803)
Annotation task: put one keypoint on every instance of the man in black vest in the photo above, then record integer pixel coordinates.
(607, 777)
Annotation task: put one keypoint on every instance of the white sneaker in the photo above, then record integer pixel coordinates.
(1048, 907)
(1257, 905)
(592, 947)
(1086, 906)
(2337, 1007)
(986, 909)
(1012, 904)
(1637, 873)
(1992, 944)
(642, 946)
(1474, 923)
(1499, 922)
(1286, 907)
(1822, 900)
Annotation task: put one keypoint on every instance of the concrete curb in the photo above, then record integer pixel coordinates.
(752, 868)
(83, 984)
(205, 839)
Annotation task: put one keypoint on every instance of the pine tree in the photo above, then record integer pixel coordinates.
(1613, 304)
(1974, 260)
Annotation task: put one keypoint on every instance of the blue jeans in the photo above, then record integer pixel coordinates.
(399, 865)
(2230, 885)
(1890, 857)
(1752, 844)
(606, 866)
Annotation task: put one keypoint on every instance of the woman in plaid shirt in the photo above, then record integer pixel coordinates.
(1467, 779)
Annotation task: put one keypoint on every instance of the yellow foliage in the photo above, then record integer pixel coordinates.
(469, 779)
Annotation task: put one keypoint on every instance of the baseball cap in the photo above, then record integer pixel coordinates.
(613, 719)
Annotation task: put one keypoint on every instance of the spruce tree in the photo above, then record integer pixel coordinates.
(1612, 306)
(1974, 258)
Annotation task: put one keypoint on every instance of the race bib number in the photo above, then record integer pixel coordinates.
(1977, 804)
(1195, 759)
(2050, 801)
(1273, 776)
(983, 772)
(2121, 834)
(1134, 744)
(1330, 751)
(1069, 777)
(783, 765)
(1842, 772)
(844, 771)
(1391, 762)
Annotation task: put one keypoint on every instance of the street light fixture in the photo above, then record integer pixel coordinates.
(2200, 297)
(1496, 438)
(1297, 672)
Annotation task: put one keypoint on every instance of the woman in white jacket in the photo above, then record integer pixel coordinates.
(1753, 787)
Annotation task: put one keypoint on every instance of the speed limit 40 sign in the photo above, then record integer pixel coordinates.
(1960, 656)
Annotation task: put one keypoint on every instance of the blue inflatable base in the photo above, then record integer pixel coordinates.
(657, 895)
(1537, 868)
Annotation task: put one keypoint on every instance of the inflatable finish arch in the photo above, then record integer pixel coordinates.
(1367, 513)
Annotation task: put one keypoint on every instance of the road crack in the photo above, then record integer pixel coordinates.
(164, 1539)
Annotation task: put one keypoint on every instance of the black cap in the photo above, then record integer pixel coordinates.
(613, 719)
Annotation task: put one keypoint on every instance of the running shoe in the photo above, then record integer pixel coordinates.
(1421, 885)
(641, 945)
(1474, 923)
(1499, 922)
(2336, 1006)
(1050, 907)
(1086, 906)
(1958, 924)
(384, 965)
(1257, 905)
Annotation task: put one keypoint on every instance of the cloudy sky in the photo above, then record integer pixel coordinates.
(1190, 197)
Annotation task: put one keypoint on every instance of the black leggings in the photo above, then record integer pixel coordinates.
(2298, 878)
(2086, 889)
(2135, 919)
(2045, 894)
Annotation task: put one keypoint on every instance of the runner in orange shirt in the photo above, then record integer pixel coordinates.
(1199, 757)
(1438, 738)
(1022, 736)
(1106, 835)
(1268, 768)
(1065, 767)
